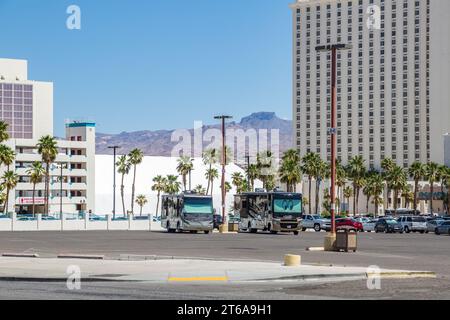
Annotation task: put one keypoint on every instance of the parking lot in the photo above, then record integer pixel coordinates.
(414, 251)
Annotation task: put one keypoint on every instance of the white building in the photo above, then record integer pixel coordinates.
(27, 107)
(393, 86)
(150, 168)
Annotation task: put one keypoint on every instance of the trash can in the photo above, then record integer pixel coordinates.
(346, 239)
(233, 227)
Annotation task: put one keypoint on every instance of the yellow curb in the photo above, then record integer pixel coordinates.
(198, 279)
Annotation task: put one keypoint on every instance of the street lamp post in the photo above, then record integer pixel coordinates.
(223, 118)
(247, 157)
(114, 177)
(333, 133)
(61, 192)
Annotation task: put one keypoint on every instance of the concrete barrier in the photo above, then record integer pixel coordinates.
(78, 225)
(291, 260)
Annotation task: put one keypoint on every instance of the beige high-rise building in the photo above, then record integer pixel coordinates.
(393, 85)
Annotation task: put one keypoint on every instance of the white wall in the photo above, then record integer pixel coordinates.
(11, 69)
(150, 168)
(440, 76)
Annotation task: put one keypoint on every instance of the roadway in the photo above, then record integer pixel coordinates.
(426, 252)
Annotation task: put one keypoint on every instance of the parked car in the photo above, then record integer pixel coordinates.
(48, 218)
(388, 226)
(443, 228)
(315, 222)
(369, 226)
(413, 223)
(217, 221)
(25, 219)
(94, 217)
(349, 222)
(432, 224)
(141, 218)
(117, 219)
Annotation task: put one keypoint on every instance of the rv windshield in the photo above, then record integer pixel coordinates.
(287, 206)
(198, 206)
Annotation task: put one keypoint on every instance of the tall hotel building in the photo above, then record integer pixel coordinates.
(393, 86)
(27, 107)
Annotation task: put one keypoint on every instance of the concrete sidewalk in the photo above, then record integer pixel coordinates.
(182, 271)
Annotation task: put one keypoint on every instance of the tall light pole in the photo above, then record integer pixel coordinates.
(333, 133)
(114, 183)
(224, 160)
(247, 157)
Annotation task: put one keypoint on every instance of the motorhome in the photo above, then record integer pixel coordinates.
(187, 212)
(269, 211)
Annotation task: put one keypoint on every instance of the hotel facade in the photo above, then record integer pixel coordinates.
(27, 107)
(392, 86)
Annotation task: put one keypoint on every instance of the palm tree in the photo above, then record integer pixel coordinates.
(443, 177)
(310, 163)
(141, 200)
(375, 185)
(159, 185)
(36, 173)
(200, 190)
(357, 173)
(397, 182)
(432, 175)
(173, 186)
(341, 179)
(123, 167)
(228, 187)
(416, 172)
(348, 192)
(185, 166)
(48, 149)
(9, 180)
(446, 183)
(135, 157)
(323, 172)
(7, 156)
(237, 179)
(408, 195)
(211, 175)
(210, 157)
(4, 136)
(252, 174)
(265, 165)
(367, 191)
(387, 165)
(290, 169)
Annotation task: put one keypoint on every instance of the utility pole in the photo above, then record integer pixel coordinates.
(248, 171)
(114, 183)
(61, 192)
(330, 239)
(224, 227)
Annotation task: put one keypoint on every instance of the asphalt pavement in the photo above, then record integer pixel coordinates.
(426, 252)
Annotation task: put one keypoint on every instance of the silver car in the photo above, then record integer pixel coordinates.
(414, 224)
(443, 228)
(432, 224)
(369, 225)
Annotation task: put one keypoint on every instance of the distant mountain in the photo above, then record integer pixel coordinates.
(158, 143)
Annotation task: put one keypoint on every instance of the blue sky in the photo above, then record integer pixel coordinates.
(155, 64)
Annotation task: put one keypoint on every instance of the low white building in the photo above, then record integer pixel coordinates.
(150, 168)
(27, 107)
